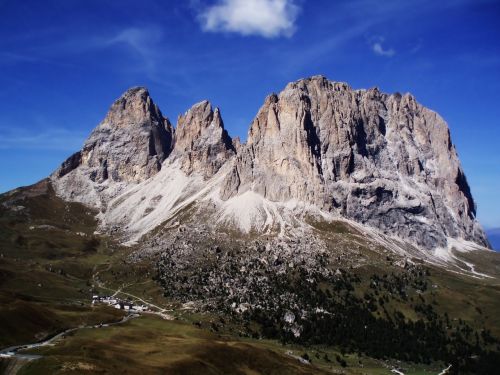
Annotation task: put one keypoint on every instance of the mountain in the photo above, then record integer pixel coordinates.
(380, 160)
(128, 146)
(343, 231)
(494, 237)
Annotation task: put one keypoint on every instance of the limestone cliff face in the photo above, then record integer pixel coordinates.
(129, 145)
(381, 160)
(132, 143)
(378, 159)
(201, 142)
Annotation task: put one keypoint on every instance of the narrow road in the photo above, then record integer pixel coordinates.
(161, 311)
(445, 371)
(18, 359)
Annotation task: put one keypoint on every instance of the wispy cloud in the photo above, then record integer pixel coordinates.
(379, 49)
(144, 42)
(316, 51)
(141, 42)
(266, 18)
(143, 51)
(417, 46)
(54, 139)
(7, 58)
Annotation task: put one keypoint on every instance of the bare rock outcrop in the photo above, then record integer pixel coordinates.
(379, 159)
(201, 142)
(130, 144)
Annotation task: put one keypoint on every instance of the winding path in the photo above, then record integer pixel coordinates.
(161, 311)
(445, 371)
(12, 352)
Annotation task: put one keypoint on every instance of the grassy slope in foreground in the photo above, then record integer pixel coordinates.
(173, 347)
(47, 255)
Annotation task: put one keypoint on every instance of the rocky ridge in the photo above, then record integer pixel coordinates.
(383, 160)
(201, 141)
(380, 160)
(133, 122)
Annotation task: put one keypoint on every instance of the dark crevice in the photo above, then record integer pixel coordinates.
(313, 140)
(381, 126)
(70, 163)
(463, 186)
(360, 138)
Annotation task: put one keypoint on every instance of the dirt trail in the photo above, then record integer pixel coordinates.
(16, 359)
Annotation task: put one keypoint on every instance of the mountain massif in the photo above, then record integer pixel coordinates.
(380, 160)
(343, 232)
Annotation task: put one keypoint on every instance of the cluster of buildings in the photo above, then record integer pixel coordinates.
(118, 303)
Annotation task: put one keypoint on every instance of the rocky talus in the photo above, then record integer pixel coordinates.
(378, 159)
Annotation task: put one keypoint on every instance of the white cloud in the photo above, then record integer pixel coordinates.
(379, 50)
(267, 18)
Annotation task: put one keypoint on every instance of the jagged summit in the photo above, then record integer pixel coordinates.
(201, 142)
(379, 159)
(135, 106)
(382, 160)
(199, 121)
(130, 144)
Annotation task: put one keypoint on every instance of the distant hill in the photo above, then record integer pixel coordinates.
(494, 237)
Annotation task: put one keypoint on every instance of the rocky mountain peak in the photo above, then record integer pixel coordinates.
(201, 142)
(134, 107)
(195, 122)
(129, 145)
(382, 160)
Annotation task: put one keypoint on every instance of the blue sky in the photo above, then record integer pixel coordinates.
(62, 63)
